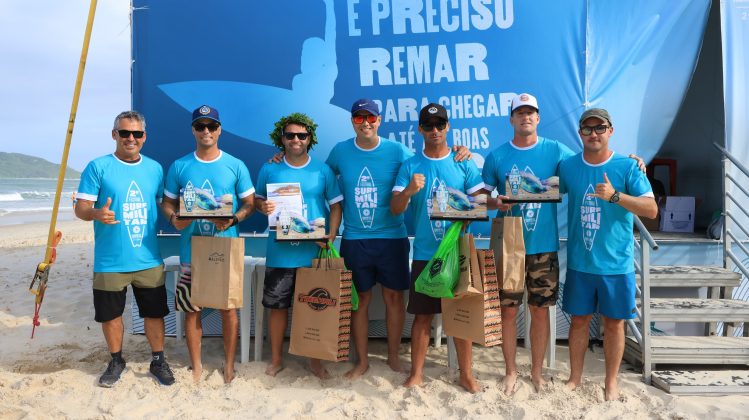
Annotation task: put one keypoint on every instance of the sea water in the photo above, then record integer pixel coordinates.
(30, 200)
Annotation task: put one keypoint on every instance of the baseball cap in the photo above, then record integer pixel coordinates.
(205, 111)
(365, 104)
(431, 111)
(524, 99)
(599, 113)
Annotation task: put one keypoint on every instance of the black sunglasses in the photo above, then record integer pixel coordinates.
(125, 134)
(210, 126)
(587, 130)
(300, 136)
(429, 127)
(359, 119)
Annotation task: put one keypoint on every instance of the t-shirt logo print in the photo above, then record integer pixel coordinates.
(135, 214)
(590, 217)
(207, 228)
(438, 226)
(365, 196)
(530, 211)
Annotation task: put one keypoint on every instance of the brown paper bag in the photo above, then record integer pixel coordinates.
(321, 319)
(477, 318)
(509, 253)
(217, 272)
(469, 281)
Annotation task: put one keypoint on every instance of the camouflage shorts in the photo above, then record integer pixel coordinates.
(541, 281)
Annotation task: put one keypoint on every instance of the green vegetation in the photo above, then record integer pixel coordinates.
(17, 165)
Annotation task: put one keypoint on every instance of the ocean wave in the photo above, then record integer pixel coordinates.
(5, 212)
(11, 197)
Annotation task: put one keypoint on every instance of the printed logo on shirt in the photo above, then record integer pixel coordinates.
(530, 211)
(438, 226)
(590, 217)
(365, 196)
(206, 227)
(135, 215)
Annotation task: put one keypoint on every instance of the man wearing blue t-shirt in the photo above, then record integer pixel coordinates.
(120, 193)
(528, 152)
(294, 135)
(604, 190)
(434, 166)
(218, 174)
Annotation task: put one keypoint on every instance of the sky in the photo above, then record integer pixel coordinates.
(40, 49)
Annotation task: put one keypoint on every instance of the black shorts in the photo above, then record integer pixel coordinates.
(278, 287)
(372, 261)
(110, 304)
(419, 303)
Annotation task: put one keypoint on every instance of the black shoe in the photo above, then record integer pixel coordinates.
(162, 372)
(112, 374)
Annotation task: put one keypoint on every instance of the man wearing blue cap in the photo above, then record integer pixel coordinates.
(219, 173)
(375, 243)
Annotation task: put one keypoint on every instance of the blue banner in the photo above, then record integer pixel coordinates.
(258, 61)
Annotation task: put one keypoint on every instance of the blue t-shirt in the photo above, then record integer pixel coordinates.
(463, 176)
(542, 159)
(319, 187)
(366, 178)
(135, 189)
(223, 175)
(600, 233)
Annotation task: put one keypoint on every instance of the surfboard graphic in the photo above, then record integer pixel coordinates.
(514, 178)
(366, 198)
(188, 196)
(530, 211)
(590, 217)
(135, 214)
(206, 228)
(438, 226)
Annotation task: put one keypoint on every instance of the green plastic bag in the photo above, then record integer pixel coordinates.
(441, 272)
(331, 252)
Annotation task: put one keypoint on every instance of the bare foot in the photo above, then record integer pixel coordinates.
(317, 369)
(571, 385)
(509, 383)
(469, 384)
(228, 372)
(196, 373)
(274, 368)
(396, 366)
(357, 371)
(611, 392)
(539, 383)
(413, 380)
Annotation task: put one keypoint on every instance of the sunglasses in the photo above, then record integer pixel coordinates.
(359, 119)
(125, 134)
(210, 126)
(429, 127)
(300, 136)
(587, 130)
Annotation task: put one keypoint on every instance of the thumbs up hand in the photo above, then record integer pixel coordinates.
(106, 216)
(604, 190)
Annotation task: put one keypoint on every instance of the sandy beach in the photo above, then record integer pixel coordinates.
(55, 374)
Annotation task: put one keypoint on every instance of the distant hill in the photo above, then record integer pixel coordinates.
(17, 165)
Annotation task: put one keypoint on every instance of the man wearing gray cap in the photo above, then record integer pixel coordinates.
(217, 174)
(604, 190)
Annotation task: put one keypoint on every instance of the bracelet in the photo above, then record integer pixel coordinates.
(235, 221)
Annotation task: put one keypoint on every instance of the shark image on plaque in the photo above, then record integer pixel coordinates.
(201, 203)
(288, 218)
(526, 187)
(451, 204)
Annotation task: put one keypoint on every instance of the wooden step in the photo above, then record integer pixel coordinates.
(698, 310)
(701, 382)
(713, 350)
(692, 276)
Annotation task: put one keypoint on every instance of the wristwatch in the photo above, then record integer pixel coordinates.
(614, 197)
